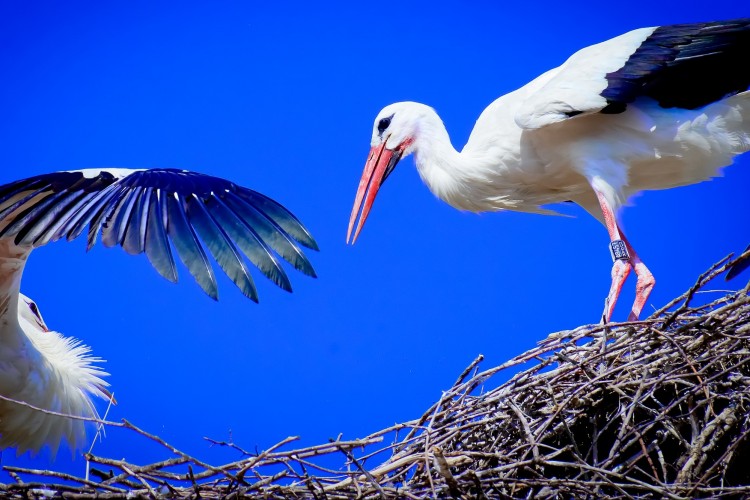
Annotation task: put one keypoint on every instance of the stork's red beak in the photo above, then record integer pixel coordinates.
(379, 166)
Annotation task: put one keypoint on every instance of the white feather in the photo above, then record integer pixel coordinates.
(576, 86)
(40, 368)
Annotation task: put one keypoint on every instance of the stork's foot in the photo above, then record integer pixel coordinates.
(620, 270)
(643, 288)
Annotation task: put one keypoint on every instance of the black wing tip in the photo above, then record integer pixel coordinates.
(307, 241)
(313, 245)
(740, 264)
(733, 273)
(737, 269)
(284, 284)
(300, 234)
(685, 66)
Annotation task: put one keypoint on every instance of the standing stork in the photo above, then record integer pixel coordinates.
(141, 211)
(654, 108)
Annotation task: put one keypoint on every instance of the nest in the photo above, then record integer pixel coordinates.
(658, 408)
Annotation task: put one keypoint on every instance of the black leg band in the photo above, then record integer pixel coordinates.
(618, 250)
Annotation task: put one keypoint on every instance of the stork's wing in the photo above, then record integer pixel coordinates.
(142, 210)
(741, 263)
(684, 65)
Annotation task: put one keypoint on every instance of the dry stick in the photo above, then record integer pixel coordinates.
(684, 397)
(723, 459)
(625, 480)
(526, 430)
(253, 461)
(99, 432)
(474, 364)
(215, 442)
(59, 414)
(307, 480)
(427, 435)
(15, 476)
(662, 462)
(356, 483)
(178, 452)
(682, 352)
(543, 428)
(142, 481)
(276, 457)
(403, 462)
(41, 490)
(154, 468)
(271, 479)
(323, 449)
(191, 476)
(699, 442)
(441, 464)
(626, 421)
(13, 471)
(704, 278)
(392, 446)
(303, 462)
(366, 473)
(644, 450)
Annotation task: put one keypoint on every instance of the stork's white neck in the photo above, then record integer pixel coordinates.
(474, 179)
(439, 164)
(12, 263)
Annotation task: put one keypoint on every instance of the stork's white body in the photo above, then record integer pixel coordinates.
(654, 108)
(40, 368)
(506, 167)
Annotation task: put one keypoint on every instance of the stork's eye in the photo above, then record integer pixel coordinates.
(383, 124)
(35, 309)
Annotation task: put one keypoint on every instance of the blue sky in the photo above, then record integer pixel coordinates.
(281, 98)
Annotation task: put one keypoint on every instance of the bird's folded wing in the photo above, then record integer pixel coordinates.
(648, 62)
(143, 210)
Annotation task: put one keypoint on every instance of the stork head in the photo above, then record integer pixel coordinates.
(28, 310)
(395, 135)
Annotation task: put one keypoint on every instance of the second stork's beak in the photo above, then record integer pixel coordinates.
(380, 164)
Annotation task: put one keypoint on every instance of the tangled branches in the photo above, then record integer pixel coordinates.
(656, 408)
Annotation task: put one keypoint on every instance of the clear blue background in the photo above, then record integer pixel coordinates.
(280, 97)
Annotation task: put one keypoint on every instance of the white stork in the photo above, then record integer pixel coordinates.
(142, 211)
(654, 108)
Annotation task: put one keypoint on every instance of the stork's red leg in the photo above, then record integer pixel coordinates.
(620, 272)
(645, 282)
(621, 267)
(625, 259)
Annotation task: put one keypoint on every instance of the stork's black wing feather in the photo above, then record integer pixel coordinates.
(741, 263)
(143, 210)
(685, 66)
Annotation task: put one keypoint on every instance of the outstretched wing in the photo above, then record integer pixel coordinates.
(143, 210)
(683, 65)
